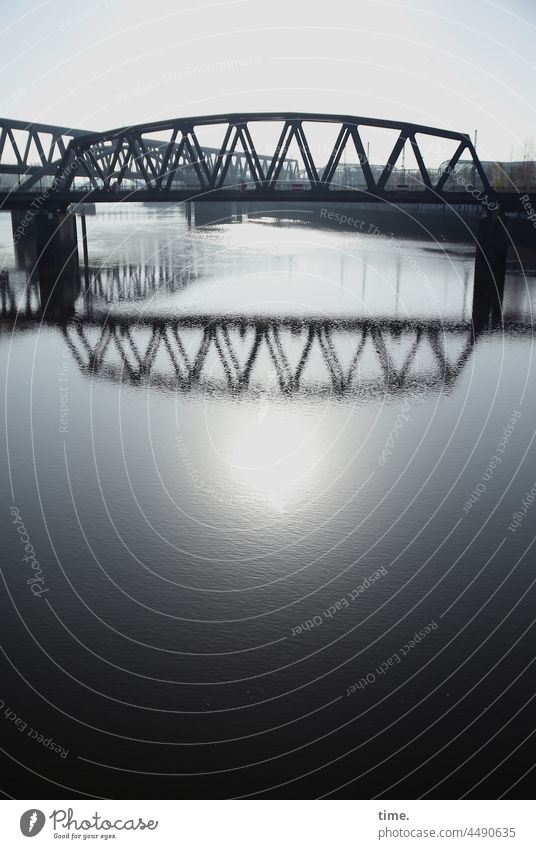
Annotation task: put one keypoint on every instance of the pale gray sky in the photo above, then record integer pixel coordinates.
(94, 64)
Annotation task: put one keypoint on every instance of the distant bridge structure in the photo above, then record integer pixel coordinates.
(35, 158)
(31, 154)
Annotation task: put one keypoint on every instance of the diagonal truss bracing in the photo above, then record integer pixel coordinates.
(167, 156)
(250, 354)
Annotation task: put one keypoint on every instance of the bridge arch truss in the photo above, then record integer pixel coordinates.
(169, 157)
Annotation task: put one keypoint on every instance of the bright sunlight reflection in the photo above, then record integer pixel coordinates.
(273, 454)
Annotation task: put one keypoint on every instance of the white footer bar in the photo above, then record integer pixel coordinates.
(268, 824)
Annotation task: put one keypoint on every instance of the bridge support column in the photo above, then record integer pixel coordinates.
(490, 269)
(56, 236)
(23, 228)
(57, 266)
(212, 212)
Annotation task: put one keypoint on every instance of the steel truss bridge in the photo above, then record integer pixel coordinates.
(34, 157)
(166, 160)
(31, 154)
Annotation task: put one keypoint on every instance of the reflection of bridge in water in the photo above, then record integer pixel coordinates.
(241, 354)
(134, 282)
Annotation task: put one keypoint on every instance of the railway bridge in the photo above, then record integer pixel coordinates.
(275, 158)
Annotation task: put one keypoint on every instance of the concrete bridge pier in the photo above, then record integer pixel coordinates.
(214, 212)
(43, 235)
(490, 270)
(24, 237)
(56, 265)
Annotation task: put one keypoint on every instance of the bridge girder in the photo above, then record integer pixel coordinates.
(128, 159)
(132, 163)
(31, 152)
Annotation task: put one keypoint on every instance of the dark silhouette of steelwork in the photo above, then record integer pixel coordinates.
(111, 161)
(134, 163)
(32, 158)
(31, 152)
(226, 352)
(134, 282)
(240, 354)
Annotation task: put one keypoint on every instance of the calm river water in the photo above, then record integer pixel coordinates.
(275, 480)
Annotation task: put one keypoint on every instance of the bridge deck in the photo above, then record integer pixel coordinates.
(130, 164)
(506, 201)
